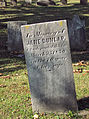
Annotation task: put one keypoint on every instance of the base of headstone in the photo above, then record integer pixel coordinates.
(14, 36)
(54, 105)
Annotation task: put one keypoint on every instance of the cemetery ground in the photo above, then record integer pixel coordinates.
(15, 99)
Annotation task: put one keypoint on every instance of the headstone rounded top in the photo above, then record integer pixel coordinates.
(51, 22)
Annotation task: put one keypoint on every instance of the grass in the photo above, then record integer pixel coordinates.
(15, 98)
(14, 89)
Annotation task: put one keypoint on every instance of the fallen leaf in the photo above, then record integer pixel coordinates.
(36, 116)
(87, 71)
(2, 86)
(24, 83)
(74, 71)
(81, 63)
(6, 77)
(16, 74)
(78, 71)
(42, 113)
(1, 74)
(87, 63)
(26, 73)
(84, 74)
(18, 117)
(30, 103)
(77, 64)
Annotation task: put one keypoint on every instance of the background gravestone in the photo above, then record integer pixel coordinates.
(14, 2)
(83, 2)
(49, 65)
(28, 2)
(45, 2)
(77, 38)
(2, 3)
(63, 1)
(14, 35)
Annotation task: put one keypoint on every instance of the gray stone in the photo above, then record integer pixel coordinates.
(2, 4)
(77, 38)
(48, 59)
(28, 2)
(45, 2)
(83, 2)
(14, 2)
(63, 1)
(14, 35)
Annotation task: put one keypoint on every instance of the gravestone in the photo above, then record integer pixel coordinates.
(63, 2)
(48, 59)
(77, 37)
(14, 35)
(28, 2)
(2, 4)
(14, 2)
(45, 2)
(83, 2)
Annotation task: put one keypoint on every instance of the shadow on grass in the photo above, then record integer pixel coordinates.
(35, 14)
(79, 56)
(9, 64)
(4, 61)
(8, 70)
(83, 103)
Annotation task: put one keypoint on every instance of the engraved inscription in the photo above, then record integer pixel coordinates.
(42, 45)
(39, 33)
(48, 64)
(45, 40)
(46, 53)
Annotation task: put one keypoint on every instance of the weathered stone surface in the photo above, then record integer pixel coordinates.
(49, 65)
(77, 38)
(14, 35)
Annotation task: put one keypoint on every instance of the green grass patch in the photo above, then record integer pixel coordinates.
(15, 97)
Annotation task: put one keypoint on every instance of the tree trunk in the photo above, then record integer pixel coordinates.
(83, 2)
(64, 2)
